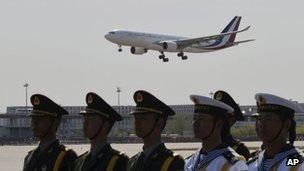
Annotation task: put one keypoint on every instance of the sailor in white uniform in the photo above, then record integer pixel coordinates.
(275, 120)
(207, 126)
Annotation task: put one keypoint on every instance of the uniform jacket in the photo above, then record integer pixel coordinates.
(221, 158)
(160, 158)
(278, 162)
(106, 159)
(55, 157)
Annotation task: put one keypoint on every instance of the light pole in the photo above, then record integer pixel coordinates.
(118, 90)
(26, 85)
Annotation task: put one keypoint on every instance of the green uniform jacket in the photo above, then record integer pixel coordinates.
(107, 159)
(54, 156)
(160, 158)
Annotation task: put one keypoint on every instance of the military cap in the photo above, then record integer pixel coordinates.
(43, 106)
(275, 104)
(96, 105)
(147, 103)
(227, 99)
(206, 105)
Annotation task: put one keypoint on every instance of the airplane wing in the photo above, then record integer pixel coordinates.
(183, 43)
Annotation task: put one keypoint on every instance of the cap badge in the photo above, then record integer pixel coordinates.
(90, 99)
(219, 96)
(36, 100)
(139, 97)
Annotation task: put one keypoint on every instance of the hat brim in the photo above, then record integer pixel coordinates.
(115, 117)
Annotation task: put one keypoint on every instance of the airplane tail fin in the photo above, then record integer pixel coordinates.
(232, 26)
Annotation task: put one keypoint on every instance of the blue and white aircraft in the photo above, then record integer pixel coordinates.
(142, 42)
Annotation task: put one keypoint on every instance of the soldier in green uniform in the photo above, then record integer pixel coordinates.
(150, 119)
(50, 155)
(231, 118)
(99, 117)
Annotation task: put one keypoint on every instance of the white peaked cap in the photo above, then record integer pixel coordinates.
(202, 100)
(265, 98)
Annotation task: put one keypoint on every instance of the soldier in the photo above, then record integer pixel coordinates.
(256, 152)
(209, 119)
(99, 117)
(231, 118)
(50, 154)
(150, 119)
(275, 119)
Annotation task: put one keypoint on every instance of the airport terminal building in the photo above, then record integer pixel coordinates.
(14, 124)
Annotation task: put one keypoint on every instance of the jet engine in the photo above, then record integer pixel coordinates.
(138, 50)
(169, 45)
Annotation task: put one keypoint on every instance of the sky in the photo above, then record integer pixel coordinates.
(58, 48)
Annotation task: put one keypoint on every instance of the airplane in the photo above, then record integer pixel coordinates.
(141, 42)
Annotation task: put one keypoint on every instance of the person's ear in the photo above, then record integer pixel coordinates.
(106, 124)
(56, 124)
(287, 125)
(219, 124)
(160, 124)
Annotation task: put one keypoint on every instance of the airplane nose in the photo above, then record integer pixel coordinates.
(107, 36)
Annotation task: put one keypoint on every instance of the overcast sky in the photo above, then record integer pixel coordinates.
(58, 47)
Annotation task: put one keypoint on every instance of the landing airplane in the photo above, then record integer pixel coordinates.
(142, 42)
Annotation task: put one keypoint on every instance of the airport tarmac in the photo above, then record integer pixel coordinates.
(11, 157)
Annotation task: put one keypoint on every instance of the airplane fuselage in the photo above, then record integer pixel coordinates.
(148, 41)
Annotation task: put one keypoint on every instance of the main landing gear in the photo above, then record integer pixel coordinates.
(119, 48)
(181, 54)
(163, 57)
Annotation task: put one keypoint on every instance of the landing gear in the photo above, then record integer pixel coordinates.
(119, 48)
(163, 57)
(181, 54)
(184, 57)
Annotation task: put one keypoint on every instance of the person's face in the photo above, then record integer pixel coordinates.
(202, 125)
(144, 123)
(91, 124)
(40, 125)
(268, 126)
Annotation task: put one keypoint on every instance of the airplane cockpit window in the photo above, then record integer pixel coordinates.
(112, 32)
